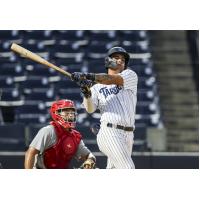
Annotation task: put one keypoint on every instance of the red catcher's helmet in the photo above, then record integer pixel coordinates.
(59, 106)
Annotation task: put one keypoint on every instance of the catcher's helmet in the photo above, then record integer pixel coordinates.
(122, 51)
(57, 108)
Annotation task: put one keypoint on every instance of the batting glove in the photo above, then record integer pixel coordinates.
(79, 76)
(85, 86)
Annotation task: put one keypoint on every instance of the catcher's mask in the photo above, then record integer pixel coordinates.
(64, 112)
(118, 50)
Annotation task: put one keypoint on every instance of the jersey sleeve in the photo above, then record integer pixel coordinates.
(94, 96)
(82, 150)
(130, 80)
(43, 139)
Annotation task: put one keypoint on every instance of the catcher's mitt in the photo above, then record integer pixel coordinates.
(88, 164)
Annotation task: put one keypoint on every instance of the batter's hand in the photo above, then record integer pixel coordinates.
(79, 76)
(85, 86)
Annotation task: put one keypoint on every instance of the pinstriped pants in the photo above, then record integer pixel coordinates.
(117, 145)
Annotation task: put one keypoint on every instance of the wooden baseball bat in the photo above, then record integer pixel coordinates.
(28, 54)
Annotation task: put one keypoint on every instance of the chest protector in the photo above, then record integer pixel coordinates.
(60, 154)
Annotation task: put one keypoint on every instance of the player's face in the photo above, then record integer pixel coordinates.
(68, 114)
(120, 60)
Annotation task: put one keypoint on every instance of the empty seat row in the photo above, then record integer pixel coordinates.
(18, 136)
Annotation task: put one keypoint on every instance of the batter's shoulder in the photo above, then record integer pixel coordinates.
(129, 72)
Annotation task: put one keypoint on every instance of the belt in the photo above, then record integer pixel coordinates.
(119, 127)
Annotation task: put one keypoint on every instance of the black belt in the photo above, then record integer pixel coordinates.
(120, 127)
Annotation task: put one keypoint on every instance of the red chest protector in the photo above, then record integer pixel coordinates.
(59, 155)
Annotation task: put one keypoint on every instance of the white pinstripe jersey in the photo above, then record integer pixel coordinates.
(117, 104)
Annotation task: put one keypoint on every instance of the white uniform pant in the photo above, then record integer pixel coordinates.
(117, 145)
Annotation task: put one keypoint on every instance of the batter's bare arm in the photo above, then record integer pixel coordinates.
(98, 78)
(109, 79)
(30, 157)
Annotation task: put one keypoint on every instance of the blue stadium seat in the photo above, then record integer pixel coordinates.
(40, 70)
(65, 83)
(12, 137)
(35, 35)
(146, 84)
(85, 132)
(136, 48)
(150, 120)
(72, 35)
(45, 95)
(91, 145)
(31, 118)
(34, 82)
(7, 82)
(130, 35)
(66, 48)
(146, 108)
(68, 61)
(11, 94)
(145, 96)
(69, 94)
(33, 130)
(97, 48)
(9, 34)
(31, 108)
(32, 112)
(11, 69)
(102, 35)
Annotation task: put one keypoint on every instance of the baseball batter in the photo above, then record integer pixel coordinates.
(56, 144)
(115, 95)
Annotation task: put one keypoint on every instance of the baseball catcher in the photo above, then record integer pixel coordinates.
(57, 144)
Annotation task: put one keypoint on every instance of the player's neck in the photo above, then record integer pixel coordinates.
(113, 72)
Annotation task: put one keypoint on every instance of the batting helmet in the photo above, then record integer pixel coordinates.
(57, 108)
(119, 50)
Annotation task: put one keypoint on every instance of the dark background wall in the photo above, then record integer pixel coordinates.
(141, 162)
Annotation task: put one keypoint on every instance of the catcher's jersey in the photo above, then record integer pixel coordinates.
(117, 104)
(45, 138)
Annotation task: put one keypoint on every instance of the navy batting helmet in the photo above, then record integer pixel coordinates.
(120, 50)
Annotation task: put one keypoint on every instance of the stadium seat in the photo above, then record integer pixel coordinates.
(101, 35)
(9, 35)
(41, 95)
(10, 94)
(72, 35)
(12, 69)
(146, 84)
(85, 132)
(31, 118)
(70, 94)
(7, 82)
(146, 108)
(129, 35)
(31, 108)
(66, 83)
(145, 96)
(35, 35)
(39, 70)
(34, 82)
(33, 130)
(12, 137)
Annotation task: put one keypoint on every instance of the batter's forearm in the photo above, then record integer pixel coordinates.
(108, 79)
(89, 105)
